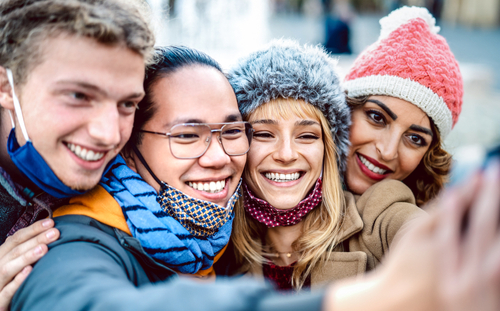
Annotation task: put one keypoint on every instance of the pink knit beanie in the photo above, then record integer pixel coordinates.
(412, 62)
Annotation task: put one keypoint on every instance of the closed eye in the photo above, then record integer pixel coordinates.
(185, 136)
(263, 135)
(309, 136)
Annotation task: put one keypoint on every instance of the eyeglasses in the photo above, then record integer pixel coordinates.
(191, 140)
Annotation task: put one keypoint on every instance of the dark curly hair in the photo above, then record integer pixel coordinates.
(431, 174)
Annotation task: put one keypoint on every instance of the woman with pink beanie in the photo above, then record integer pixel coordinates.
(405, 92)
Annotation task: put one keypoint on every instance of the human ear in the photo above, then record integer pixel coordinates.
(6, 100)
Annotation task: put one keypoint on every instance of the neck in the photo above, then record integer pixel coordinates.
(280, 239)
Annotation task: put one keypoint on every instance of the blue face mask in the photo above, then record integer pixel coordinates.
(29, 161)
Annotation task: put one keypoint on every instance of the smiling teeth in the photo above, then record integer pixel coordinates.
(84, 154)
(210, 187)
(282, 177)
(371, 167)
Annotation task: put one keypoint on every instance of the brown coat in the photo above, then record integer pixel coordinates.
(372, 222)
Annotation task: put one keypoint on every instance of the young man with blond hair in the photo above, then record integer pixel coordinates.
(71, 75)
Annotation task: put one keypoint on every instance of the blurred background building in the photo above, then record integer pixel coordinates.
(230, 29)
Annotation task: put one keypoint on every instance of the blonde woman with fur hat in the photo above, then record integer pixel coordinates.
(405, 92)
(296, 225)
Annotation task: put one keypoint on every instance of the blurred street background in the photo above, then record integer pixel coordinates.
(230, 29)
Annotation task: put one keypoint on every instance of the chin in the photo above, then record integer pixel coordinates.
(77, 184)
(357, 188)
(283, 204)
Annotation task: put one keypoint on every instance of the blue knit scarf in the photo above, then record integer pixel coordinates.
(161, 236)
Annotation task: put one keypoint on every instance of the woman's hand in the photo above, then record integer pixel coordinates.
(19, 252)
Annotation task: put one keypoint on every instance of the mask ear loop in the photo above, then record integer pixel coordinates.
(238, 188)
(17, 107)
(143, 161)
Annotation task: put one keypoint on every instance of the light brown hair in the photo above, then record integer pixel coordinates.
(321, 227)
(25, 24)
(431, 174)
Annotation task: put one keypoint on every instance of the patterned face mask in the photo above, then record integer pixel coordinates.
(267, 214)
(200, 218)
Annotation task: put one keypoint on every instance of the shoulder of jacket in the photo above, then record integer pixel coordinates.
(387, 201)
(385, 193)
(75, 228)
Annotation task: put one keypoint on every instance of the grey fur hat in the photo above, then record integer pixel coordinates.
(286, 69)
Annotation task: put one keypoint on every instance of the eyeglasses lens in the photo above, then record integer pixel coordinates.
(191, 141)
(234, 138)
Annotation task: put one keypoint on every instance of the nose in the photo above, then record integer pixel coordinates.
(214, 157)
(104, 127)
(387, 146)
(285, 151)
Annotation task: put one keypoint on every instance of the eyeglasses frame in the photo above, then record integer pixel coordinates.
(167, 135)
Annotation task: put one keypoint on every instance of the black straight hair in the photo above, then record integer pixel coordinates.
(167, 60)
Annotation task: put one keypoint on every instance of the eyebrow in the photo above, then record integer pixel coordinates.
(95, 88)
(233, 117)
(422, 129)
(306, 123)
(229, 118)
(265, 121)
(383, 106)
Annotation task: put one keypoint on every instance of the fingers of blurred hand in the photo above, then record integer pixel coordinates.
(8, 291)
(453, 206)
(24, 235)
(483, 226)
(492, 263)
(470, 265)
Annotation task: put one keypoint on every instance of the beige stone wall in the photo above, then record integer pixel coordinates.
(477, 13)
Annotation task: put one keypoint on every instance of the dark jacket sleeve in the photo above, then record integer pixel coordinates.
(88, 275)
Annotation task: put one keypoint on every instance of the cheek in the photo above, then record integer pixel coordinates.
(360, 133)
(251, 174)
(239, 164)
(409, 162)
(250, 170)
(314, 156)
(255, 156)
(126, 125)
(158, 157)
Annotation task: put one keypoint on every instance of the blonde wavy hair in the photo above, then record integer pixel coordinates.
(321, 226)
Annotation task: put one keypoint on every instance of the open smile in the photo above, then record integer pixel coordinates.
(372, 168)
(282, 178)
(208, 186)
(84, 153)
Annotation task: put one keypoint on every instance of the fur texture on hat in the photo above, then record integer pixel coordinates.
(287, 70)
(412, 62)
